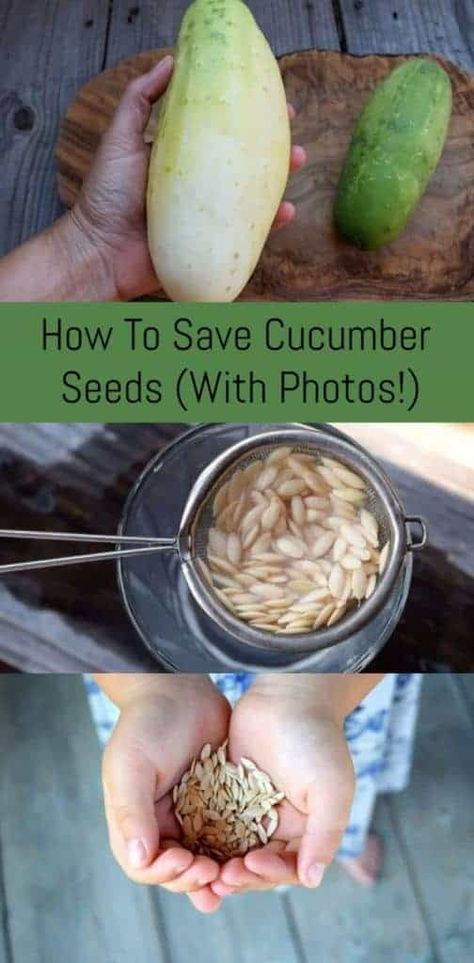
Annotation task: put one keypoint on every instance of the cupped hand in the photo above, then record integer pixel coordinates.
(111, 209)
(303, 749)
(153, 743)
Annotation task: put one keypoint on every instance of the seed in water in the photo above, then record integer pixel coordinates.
(250, 536)
(290, 545)
(353, 534)
(298, 511)
(359, 583)
(383, 558)
(322, 545)
(336, 581)
(291, 487)
(339, 549)
(350, 562)
(271, 515)
(266, 478)
(234, 549)
(369, 524)
(371, 583)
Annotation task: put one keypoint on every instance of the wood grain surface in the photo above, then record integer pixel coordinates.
(433, 258)
(63, 893)
(417, 917)
(429, 26)
(48, 50)
(288, 24)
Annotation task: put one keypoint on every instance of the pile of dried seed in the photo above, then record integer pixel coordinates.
(293, 546)
(225, 810)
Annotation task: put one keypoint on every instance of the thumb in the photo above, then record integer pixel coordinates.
(134, 109)
(328, 805)
(129, 783)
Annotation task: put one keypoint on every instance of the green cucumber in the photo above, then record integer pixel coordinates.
(395, 148)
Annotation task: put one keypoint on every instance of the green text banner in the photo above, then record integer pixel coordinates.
(347, 361)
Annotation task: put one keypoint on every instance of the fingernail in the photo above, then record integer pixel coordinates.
(137, 854)
(315, 874)
(166, 62)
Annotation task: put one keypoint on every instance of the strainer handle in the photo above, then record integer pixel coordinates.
(33, 534)
(414, 544)
(141, 546)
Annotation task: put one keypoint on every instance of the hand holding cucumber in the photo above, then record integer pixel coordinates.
(195, 217)
(111, 207)
(193, 214)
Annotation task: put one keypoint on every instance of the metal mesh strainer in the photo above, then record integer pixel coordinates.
(191, 541)
(381, 501)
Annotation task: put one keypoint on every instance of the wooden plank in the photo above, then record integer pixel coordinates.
(5, 945)
(342, 921)
(288, 24)
(67, 477)
(48, 51)
(464, 682)
(36, 639)
(47, 444)
(433, 482)
(297, 25)
(437, 626)
(75, 463)
(434, 451)
(66, 899)
(450, 519)
(405, 26)
(436, 629)
(434, 819)
(239, 933)
(262, 926)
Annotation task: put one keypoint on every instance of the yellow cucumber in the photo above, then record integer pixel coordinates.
(220, 160)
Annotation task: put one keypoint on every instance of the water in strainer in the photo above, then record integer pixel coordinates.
(227, 578)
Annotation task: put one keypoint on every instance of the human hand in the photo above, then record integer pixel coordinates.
(163, 725)
(299, 741)
(110, 214)
(111, 209)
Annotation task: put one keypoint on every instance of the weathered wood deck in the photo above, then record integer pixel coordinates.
(78, 476)
(62, 897)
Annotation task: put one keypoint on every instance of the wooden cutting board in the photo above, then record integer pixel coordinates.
(433, 259)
